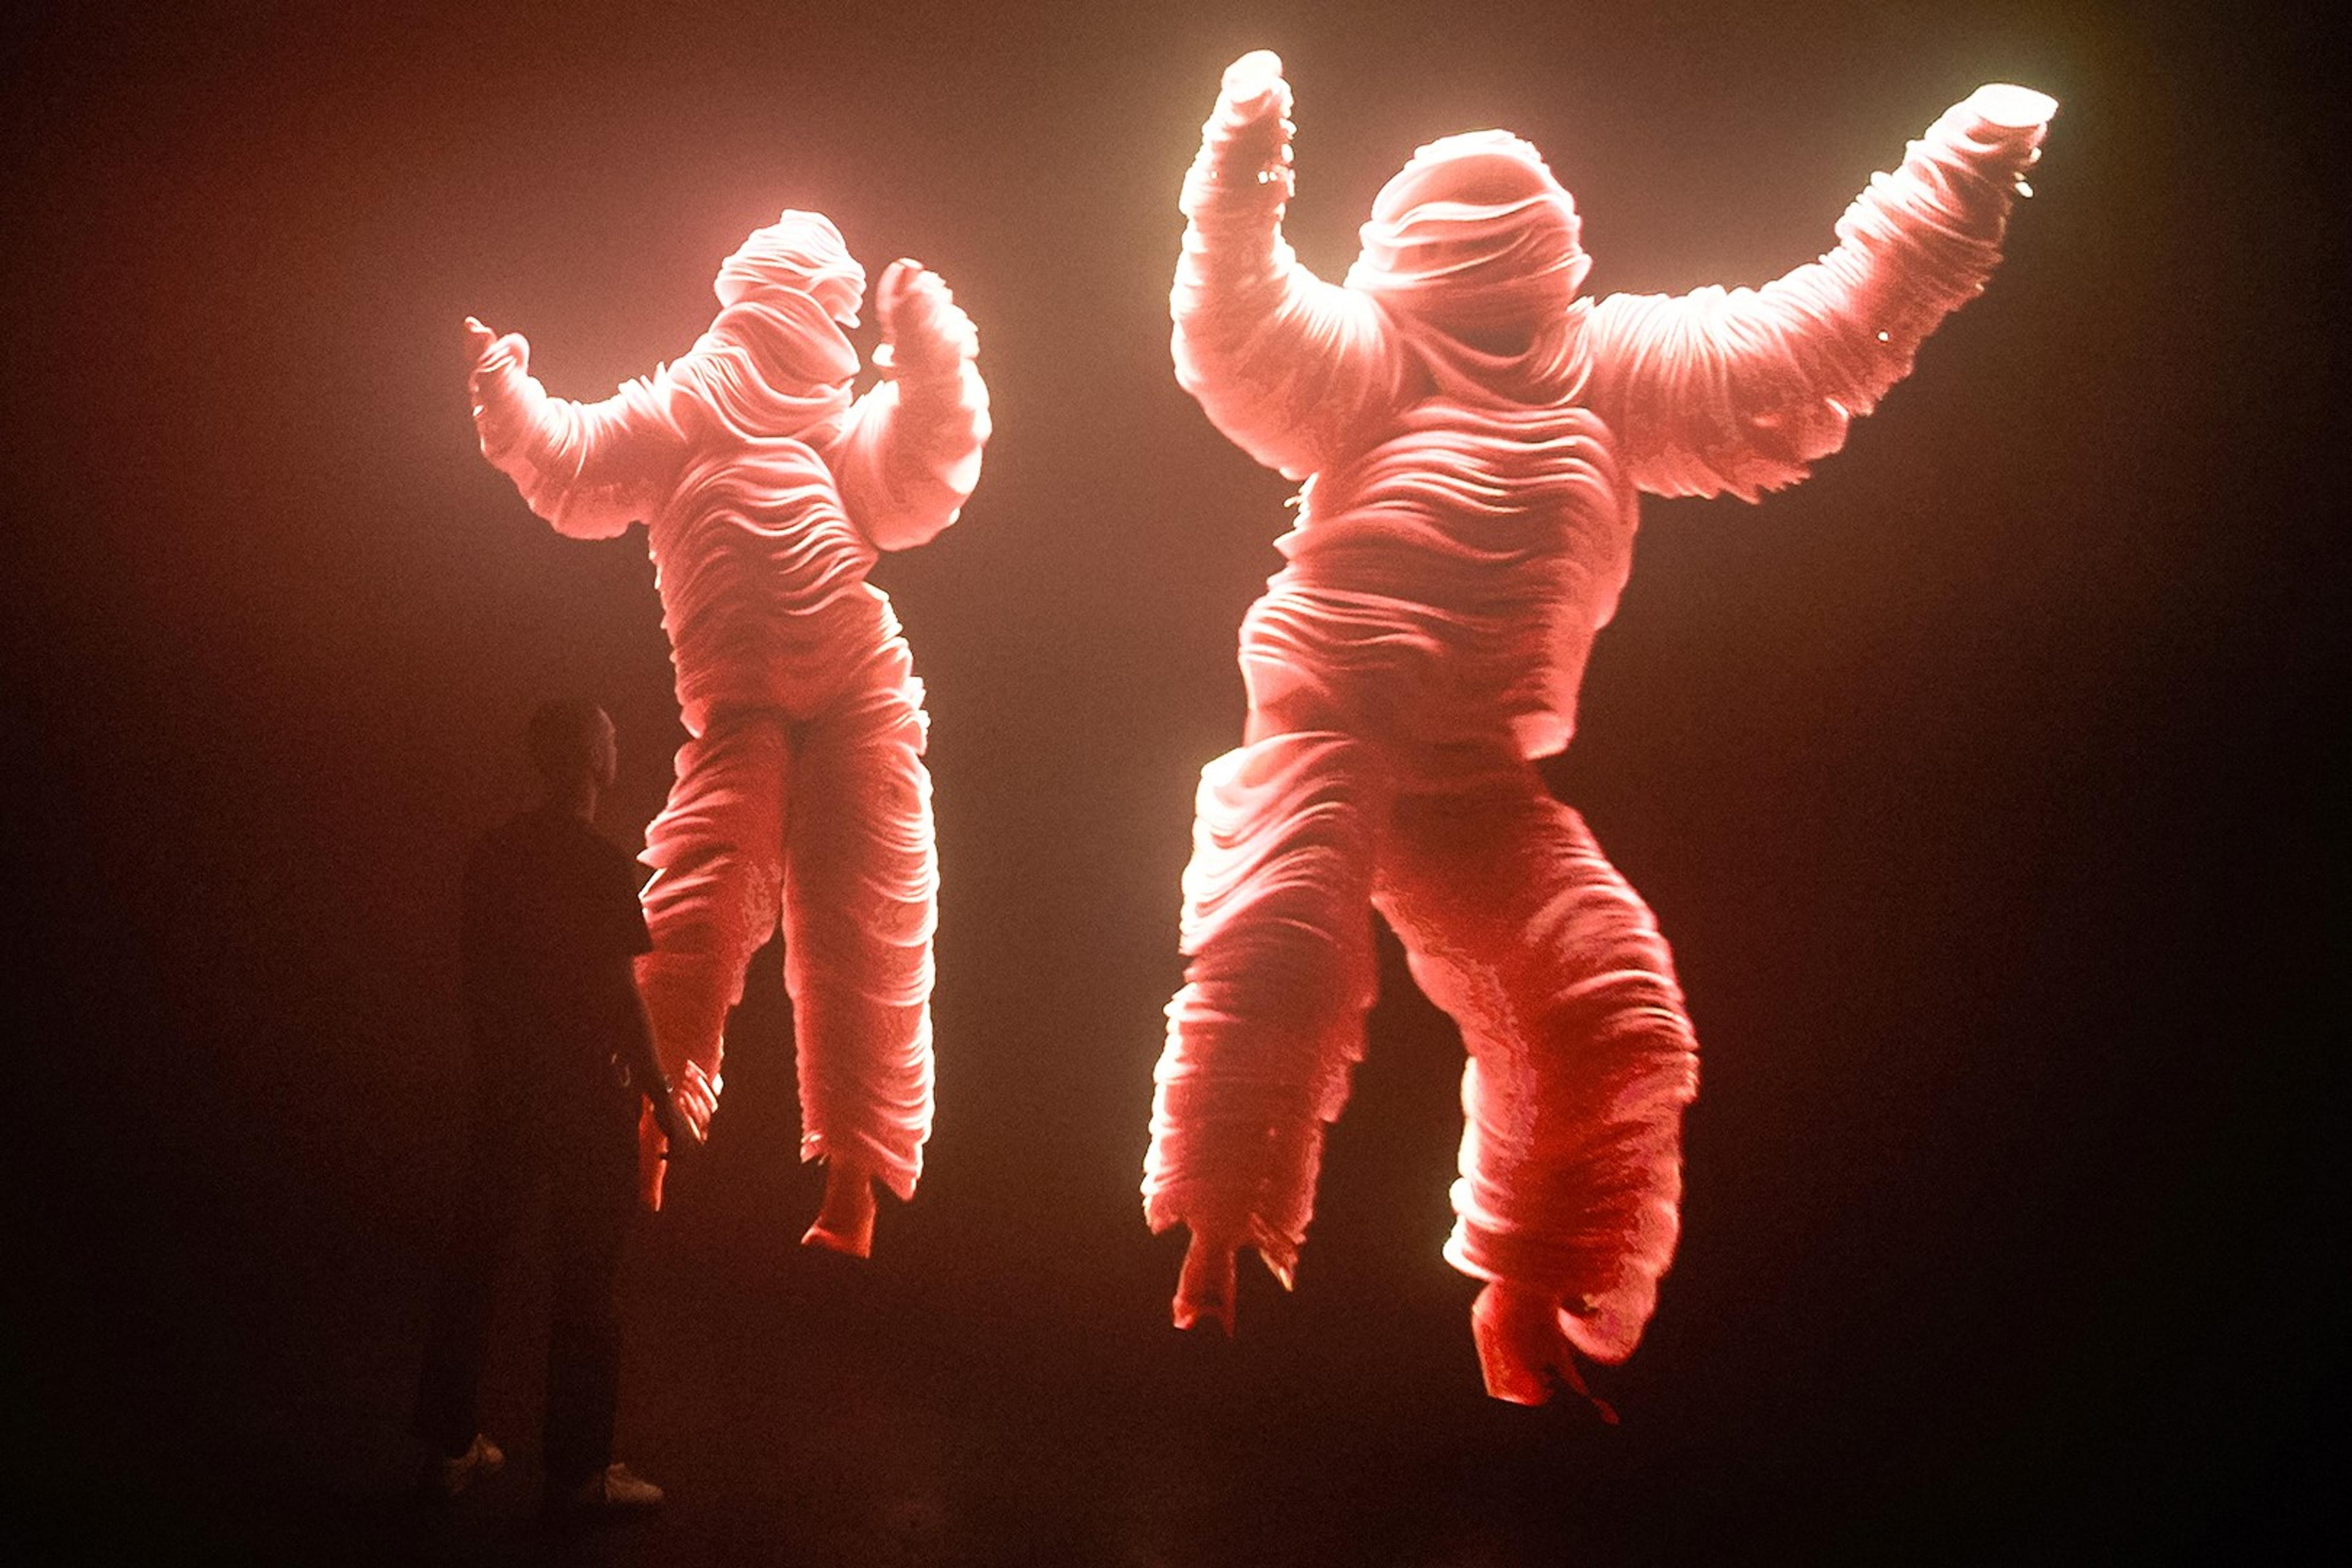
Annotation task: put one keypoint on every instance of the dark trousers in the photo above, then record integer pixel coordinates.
(585, 1156)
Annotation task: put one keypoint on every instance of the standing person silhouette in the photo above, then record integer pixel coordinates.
(563, 1057)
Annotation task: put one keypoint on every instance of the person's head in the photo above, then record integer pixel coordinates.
(800, 253)
(1474, 236)
(571, 744)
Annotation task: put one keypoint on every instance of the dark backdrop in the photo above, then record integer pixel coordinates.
(1975, 782)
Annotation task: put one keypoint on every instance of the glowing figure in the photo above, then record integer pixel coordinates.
(801, 793)
(1473, 435)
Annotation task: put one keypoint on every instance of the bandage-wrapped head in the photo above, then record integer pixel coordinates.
(1473, 235)
(800, 253)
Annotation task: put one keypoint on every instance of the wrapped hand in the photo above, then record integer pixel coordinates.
(486, 350)
(924, 331)
(1246, 141)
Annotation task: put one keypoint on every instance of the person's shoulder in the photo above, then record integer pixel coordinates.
(515, 836)
(498, 862)
(582, 843)
(620, 866)
(537, 843)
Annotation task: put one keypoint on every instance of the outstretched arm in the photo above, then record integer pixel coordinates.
(591, 469)
(1280, 360)
(910, 453)
(1742, 390)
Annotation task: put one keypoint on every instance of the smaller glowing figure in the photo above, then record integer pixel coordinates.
(1473, 435)
(801, 795)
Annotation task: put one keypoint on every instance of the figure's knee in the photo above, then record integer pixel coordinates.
(861, 812)
(861, 869)
(879, 710)
(1287, 825)
(1520, 887)
(717, 849)
(718, 906)
(1277, 927)
(728, 796)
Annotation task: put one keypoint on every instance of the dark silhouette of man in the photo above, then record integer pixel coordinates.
(563, 1057)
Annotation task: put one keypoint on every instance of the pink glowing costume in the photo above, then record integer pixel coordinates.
(801, 793)
(1473, 435)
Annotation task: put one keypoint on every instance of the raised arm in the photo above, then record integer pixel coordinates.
(591, 469)
(1280, 360)
(909, 454)
(1742, 390)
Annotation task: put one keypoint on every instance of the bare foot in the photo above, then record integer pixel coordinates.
(844, 1221)
(2012, 107)
(1206, 1286)
(1522, 1347)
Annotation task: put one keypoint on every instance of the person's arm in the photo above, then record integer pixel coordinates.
(1740, 391)
(681, 1109)
(909, 455)
(478, 927)
(676, 1112)
(1282, 361)
(590, 470)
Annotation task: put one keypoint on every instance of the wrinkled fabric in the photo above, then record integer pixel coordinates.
(801, 797)
(1739, 391)
(1473, 437)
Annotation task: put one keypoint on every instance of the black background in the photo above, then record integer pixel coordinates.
(1977, 784)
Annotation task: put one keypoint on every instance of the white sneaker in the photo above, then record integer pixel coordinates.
(451, 1477)
(615, 1489)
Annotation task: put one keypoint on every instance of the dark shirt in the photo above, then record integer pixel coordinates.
(551, 922)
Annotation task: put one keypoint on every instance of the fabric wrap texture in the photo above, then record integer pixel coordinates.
(1473, 436)
(801, 796)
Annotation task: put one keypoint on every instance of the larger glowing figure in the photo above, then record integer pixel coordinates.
(801, 794)
(1473, 435)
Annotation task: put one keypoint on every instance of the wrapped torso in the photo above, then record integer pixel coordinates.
(762, 580)
(1446, 580)
(768, 494)
(1467, 521)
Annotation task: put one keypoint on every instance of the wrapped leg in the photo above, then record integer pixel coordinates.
(861, 889)
(1278, 925)
(716, 850)
(1581, 1058)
